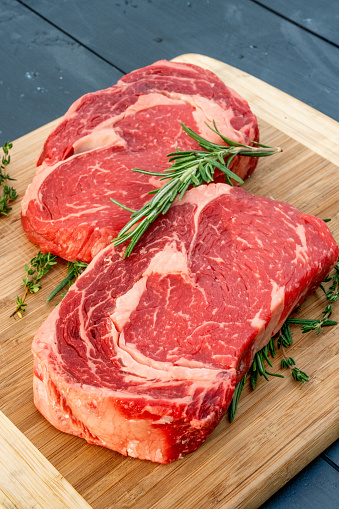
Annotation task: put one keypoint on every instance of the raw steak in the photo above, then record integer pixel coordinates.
(143, 354)
(87, 159)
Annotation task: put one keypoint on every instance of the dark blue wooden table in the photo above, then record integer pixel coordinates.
(53, 51)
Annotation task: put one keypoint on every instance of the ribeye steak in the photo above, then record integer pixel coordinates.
(143, 354)
(88, 157)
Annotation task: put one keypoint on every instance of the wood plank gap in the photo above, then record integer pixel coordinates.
(299, 25)
(54, 25)
(330, 462)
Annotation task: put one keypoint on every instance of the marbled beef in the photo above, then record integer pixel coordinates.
(88, 157)
(143, 354)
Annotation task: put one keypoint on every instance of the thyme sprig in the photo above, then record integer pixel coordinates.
(189, 168)
(9, 193)
(74, 268)
(37, 268)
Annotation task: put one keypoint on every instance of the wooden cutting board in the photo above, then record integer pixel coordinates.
(279, 428)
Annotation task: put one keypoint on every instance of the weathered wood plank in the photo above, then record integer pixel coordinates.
(131, 34)
(332, 453)
(318, 16)
(42, 71)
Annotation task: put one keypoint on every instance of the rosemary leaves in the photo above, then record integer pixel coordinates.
(298, 375)
(74, 270)
(189, 168)
(332, 294)
(308, 325)
(9, 193)
(236, 396)
(284, 340)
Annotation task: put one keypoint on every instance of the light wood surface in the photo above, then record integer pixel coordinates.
(27, 478)
(279, 428)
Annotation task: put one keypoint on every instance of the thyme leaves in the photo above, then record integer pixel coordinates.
(37, 268)
(9, 193)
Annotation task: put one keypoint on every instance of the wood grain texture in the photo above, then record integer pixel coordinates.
(321, 17)
(27, 478)
(279, 428)
(315, 487)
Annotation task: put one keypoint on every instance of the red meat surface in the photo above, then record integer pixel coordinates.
(143, 354)
(88, 157)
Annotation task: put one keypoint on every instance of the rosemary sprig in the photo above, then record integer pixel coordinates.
(9, 193)
(333, 292)
(37, 268)
(332, 295)
(298, 375)
(308, 325)
(258, 365)
(284, 340)
(234, 403)
(285, 336)
(189, 168)
(74, 270)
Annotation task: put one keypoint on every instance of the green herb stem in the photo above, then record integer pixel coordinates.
(75, 268)
(9, 193)
(284, 340)
(235, 400)
(189, 168)
(37, 268)
(60, 286)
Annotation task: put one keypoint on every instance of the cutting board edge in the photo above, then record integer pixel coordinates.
(36, 480)
(290, 467)
(308, 114)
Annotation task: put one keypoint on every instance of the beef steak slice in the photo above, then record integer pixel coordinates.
(134, 124)
(142, 356)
